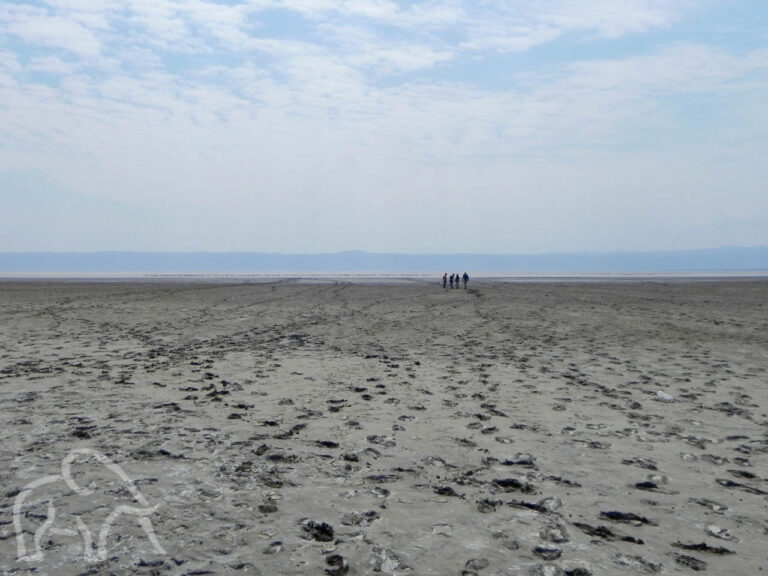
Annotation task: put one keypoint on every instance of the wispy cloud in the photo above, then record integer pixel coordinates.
(612, 19)
(38, 27)
(430, 32)
(341, 79)
(365, 107)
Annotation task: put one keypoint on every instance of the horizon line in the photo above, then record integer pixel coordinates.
(393, 253)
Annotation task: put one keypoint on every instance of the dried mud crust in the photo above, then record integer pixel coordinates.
(296, 428)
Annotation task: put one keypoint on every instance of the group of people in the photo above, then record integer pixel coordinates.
(454, 280)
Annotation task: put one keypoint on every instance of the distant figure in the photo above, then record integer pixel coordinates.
(445, 279)
(457, 280)
(451, 280)
(466, 280)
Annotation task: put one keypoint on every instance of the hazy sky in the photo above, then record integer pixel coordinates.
(383, 125)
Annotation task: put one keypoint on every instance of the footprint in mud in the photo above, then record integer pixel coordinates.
(360, 518)
(520, 459)
(513, 485)
(718, 532)
(382, 440)
(547, 553)
(626, 518)
(555, 532)
(387, 561)
(446, 491)
(690, 562)
(474, 566)
(704, 547)
(606, 533)
(744, 487)
(712, 505)
(338, 565)
(647, 463)
(638, 562)
(320, 531)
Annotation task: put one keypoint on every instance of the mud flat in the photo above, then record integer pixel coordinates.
(543, 428)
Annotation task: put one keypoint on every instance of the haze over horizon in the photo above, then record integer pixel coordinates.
(437, 126)
(721, 261)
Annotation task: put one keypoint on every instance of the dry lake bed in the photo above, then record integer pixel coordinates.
(320, 427)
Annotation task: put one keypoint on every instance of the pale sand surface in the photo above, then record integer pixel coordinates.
(514, 428)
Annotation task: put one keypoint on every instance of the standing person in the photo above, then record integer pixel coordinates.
(457, 280)
(465, 278)
(451, 280)
(445, 279)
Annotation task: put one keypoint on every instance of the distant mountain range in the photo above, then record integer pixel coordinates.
(727, 259)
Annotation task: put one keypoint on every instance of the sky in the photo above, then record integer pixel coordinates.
(437, 126)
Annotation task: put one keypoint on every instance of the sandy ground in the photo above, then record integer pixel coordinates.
(296, 428)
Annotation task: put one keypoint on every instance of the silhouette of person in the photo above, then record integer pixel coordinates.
(451, 280)
(465, 278)
(457, 280)
(445, 279)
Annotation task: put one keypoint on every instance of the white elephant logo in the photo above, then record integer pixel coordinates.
(141, 513)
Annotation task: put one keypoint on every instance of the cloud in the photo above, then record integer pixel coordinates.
(518, 26)
(52, 65)
(678, 67)
(399, 59)
(9, 67)
(36, 26)
(160, 23)
(360, 31)
(226, 23)
(367, 115)
(610, 19)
